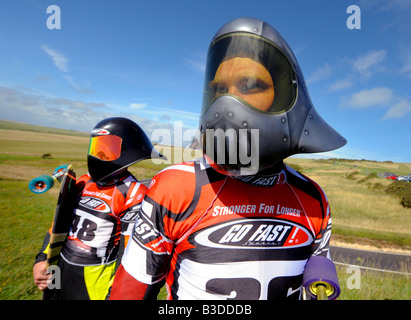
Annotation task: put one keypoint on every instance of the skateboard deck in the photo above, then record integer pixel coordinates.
(62, 220)
(63, 215)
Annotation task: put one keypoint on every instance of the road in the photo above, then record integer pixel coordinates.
(396, 262)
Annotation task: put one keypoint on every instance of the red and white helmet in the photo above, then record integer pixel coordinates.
(115, 144)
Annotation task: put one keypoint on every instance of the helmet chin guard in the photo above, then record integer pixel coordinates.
(239, 137)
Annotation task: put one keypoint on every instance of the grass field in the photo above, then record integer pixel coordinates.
(363, 212)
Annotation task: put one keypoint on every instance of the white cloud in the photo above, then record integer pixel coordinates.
(76, 86)
(321, 74)
(196, 62)
(26, 106)
(340, 85)
(384, 5)
(138, 105)
(169, 116)
(368, 98)
(196, 65)
(29, 107)
(406, 62)
(370, 62)
(59, 60)
(398, 110)
(378, 97)
(407, 67)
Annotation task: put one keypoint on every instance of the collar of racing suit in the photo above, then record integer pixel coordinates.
(113, 179)
(267, 177)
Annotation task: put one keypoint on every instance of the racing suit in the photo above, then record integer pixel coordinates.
(103, 216)
(212, 236)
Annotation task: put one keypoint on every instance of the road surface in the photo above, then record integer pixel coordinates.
(396, 262)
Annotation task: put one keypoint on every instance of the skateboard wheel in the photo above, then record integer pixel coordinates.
(321, 271)
(41, 184)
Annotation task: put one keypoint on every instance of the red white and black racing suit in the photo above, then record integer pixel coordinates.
(211, 236)
(103, 215)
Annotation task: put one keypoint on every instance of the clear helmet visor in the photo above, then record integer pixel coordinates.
(253, 70)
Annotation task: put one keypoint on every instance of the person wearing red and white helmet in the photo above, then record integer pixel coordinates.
(107, 202)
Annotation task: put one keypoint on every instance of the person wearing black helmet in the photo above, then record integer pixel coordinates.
(237, 223)
(108, 200)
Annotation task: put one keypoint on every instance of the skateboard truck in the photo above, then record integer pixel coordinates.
(43, 183)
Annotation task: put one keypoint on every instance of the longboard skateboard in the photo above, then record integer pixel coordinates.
(62, 217)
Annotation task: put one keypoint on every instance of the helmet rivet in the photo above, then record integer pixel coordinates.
(306, 132)
(216, 115)
(311, 116)
(230, 114)
(207, 124)
(285, 139)
(245, 124)
(283, 120)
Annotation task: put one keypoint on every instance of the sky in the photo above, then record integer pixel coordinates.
(145, 60)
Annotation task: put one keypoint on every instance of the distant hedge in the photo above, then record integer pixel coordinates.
(401, 189)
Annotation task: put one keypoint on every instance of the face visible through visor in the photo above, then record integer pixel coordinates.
(246, 79)
(105, 148)
(251, 69)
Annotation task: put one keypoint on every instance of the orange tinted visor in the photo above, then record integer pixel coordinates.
(105, 148)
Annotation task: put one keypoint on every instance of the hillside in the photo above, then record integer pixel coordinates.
(363, 211)
(362, 208)
(12, 125)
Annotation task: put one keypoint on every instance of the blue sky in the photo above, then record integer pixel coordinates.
(145, 60)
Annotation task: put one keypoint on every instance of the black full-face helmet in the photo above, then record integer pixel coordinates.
(115, 144)
(256, 109)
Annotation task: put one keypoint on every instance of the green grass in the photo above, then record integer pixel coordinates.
(363, 284)
(25, 219)
(358, 235)
(361, 205)
(362, 210)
